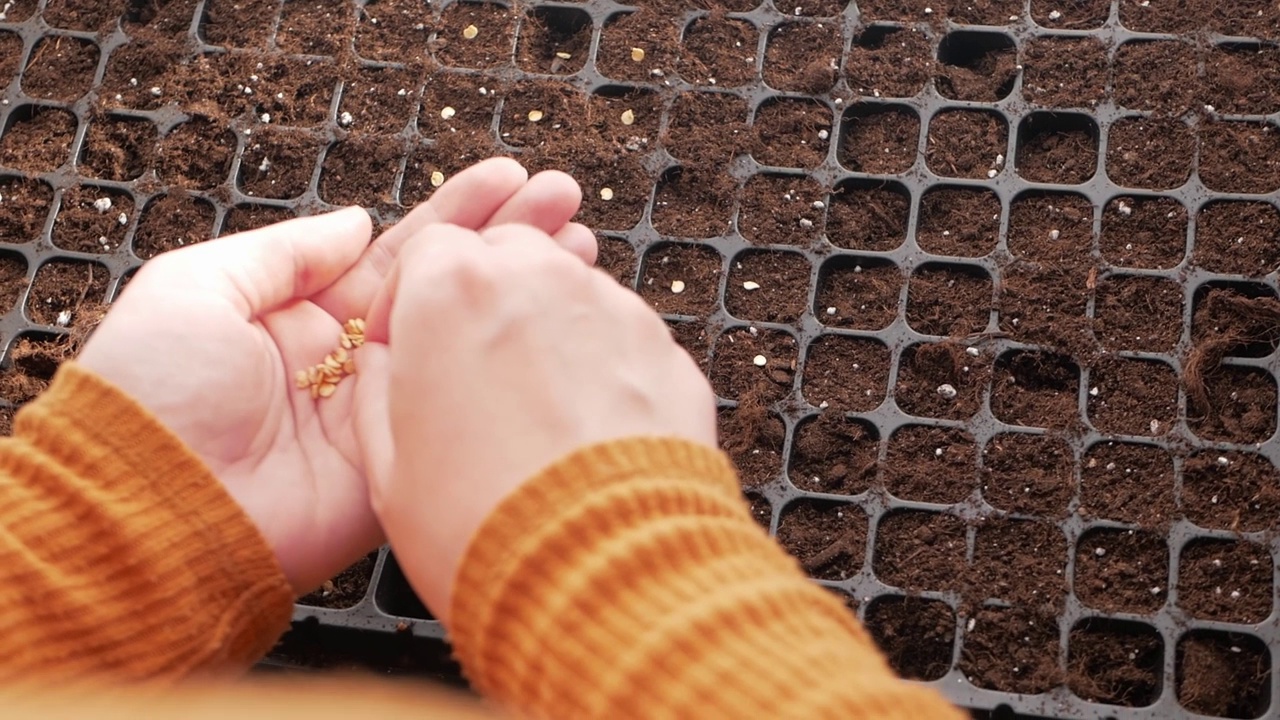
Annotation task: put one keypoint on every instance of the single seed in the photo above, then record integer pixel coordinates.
(535, 115)
(750, 285)
(637, 54)
(437, 179)
(448, 112)
(470, 32)
(606, 193)
(564, 55)
(628, 117)
(760, 361)
(300, 379)
(327, 390)
(677, 286)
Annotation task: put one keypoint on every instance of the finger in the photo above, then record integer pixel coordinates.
(373, 414)
(548, 201)
(579, 240)
(263, 269)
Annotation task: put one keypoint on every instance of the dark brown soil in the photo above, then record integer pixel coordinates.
(65, 286)
(1134, 397)
(768, 287)
(60, 68)
(734, 369)
(170, 222)
(790, 133)
(1020, 562)
(355, 170)
(315, 27)
(753, 438)
(548, 34)
(33, 361)
(1238, 237)
(761, 511)
(1045, 304)
(666, 267)
(828, 538)
(1057, 148)
(617, 258)
(919, 455)
(13, 279)
(846, 373)
(961, 222)
(1051, 228)
(920, 551)
(1154, 153)
(803, 57)
(706, 127)
(693, 202)
(889, 62)
(868, 217)
(1028, 474)
(471, 110)
(1240, 157)
(880, 139)
(380, 100)
(1239, 406)
(806, 8)
(1115, 662)
(1171, 91)
(38, 139)
(279, 163)
(243, 218)
(916, 635)
(1128, 483)
(949, 300)
(1035, 389)
(1160, 17)
(1242, 495)
(235, 23)
(385, 30)
(855, 297)
(196, 154)
(654, 32)
(1138, 313)
(82, 15)
(489, 48)
(781, 210)
(24, 208)
(1012, 650)
(1144, 232)
(1240, 79)
(925, 369)
(1122, 570)
(834, 454)
(10, 56)
(82, 227)
(903, 10)
(979, 67)
(985, 12)
(345, 590)
(718, 51)
(693, 338)
(964, 143)
(118, 148)
(1064, 72)
(1223, 675)
(1225, 580)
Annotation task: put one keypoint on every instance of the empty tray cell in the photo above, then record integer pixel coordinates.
(1223, 674)
(828, 538)
(1144, 232)
(118, 148)
(488, 46)
(868, 215)
(639, 46)
(33, 359)
(681, 279)
(944, 380)
(1122, 570)
(625, 117)
(380, 100)
(554, 40)
(879, 139)
(398, 31)
(1046, 304)
(278, 163)
(37, 139)
(1064, 72)
(172, 221)
(1116, 663)
(316, 27)
(60, 68)
(957, 221)
(356, 170)
(617, 257)
(976, 66)
(967, 143)
(792, 133)
(196, 154)
(707, 127)
(1128, 483)
(781, 210)
(858, 293)
(537, 112)
(693, 202)
(1028, 474)
(394, 596)
(1133, 397)
(453, 103)
(920, 551)
(1225, 580)
(833, 453)
(13, 279)
(1022, 562)
(949, 300)
(754, 365)
(753, 437)
(1011, 650)
(1152, 153)
(1138, 313)
(1240, 78)
(768, 286)
(61, 288)
(847, 373)
(1231, 491)
(1172, 91)
(889, 61)
(1241, 238)
(1057, 148)
(691, 335)
(24, 208)
(1235, 319)
(1240, 157)
(346, 589)
(916, 635)
(1230, 403)
(931, 464)
(803, 57)
(1051, 228)
(92, 219)
(719, 51)
(243, 218)
(1036, 389)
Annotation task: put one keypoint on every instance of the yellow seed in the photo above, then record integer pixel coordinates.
(315, 391)
(340, 355)
(448, 112)
(470, 32)
(677, 286)
(345, 341)
(313, 374)
(563, 55)
(637, 54)
(437, 179)
(535, 115)
(628, 117)
(300, 379)
(331, 364)
(355, 325)
(349, 367)
(327, 390)
(760, 361)
(606, 193)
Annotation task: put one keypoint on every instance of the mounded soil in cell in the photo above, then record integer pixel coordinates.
(1242, 495)
(735, 373)
(1028, 474)
(828, 538)
(1065, 154)
(781, 210)
(960, 222)
(1241, 238)
(920, 551)
(1236, 404)
(1035, 389)
(1152, 153)
(118, 149)
(1122, 570)
(1128, 483)
(1012, 650)
(1115, 663)
(867, 217)
(1172, 91)
(1137, 313)
(681, 279)
(170, 222)
(768, 287)
(82, 15)
(880, 139)
(24, 208)
(965, 143)
(1134, 397)
(60, 68)
(753, 437)
(863, 298)
(718, 51)
(834, 454)
(196, 155)
(949, 300)
(1064, 72)
(889, 62)
(789, 133)
(916, 635)
(924, 371)
(1225, 580)
(1147, 233)
(1021, 562)
(37, 139)
(1223, 675)
(385, 30)
(1240, 157)
(453, 103)
(83, 227)
(930, 464)
(985, 12)
(1242, 79)
(846, 373)
(33, 360)
(346, 589)
(66, 286)
(803, 57)
(693, 337)
(1074, 14)
(380, 100)
(805, 8)
(985, 75)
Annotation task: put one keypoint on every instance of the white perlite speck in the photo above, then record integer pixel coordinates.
(750, 285)
(64, 318)
(1124, 209)
(1055, 15)
(1223, 461)
(973, 351)
(806, 223)
(947, 391)
(1100, 551)
(831, 311)
(123, 219)
(1054, 234)
(102, 204)
(345, 119)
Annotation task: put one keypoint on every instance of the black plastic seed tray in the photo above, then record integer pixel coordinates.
(890, 218)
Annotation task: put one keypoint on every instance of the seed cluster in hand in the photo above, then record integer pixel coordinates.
(322, 380)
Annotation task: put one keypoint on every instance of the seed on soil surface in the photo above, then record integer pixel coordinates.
(437, 178)
(564, 55)
(1223, 462)
(470, 32)
(760, 361)
(628, 117)
(677, 286)
(448, 112)
(606, 193)
(637, 54)
(535, 115)
(750, 285)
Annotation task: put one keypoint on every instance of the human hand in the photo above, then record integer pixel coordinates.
(208, 338)
(545, 356)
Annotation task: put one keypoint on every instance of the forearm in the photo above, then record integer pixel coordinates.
(121, 557)
(630, 581)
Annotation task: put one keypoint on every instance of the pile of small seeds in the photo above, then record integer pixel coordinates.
(322, 380)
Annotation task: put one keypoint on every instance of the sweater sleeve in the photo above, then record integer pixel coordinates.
(121, 556)
(629, 581)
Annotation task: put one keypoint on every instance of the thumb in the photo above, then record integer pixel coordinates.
(373, 416)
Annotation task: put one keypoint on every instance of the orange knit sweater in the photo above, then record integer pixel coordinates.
(628, 580)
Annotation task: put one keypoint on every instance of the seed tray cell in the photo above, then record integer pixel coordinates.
(981, 293)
